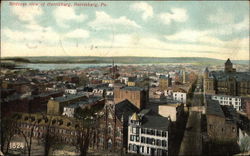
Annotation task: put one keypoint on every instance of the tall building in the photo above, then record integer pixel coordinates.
(148, 133)
(184, 77)
(136, 95)
(229, 66)
(165, 82)
(227, 82)
(113, 127)
(208, 82)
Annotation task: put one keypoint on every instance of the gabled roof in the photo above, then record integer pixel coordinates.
(125, 109)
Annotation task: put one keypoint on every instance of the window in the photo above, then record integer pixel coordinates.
(134, 130)
(142, 149)
(134, 148)
(164, 134)
(130, 147)
(142, 131)
(142, 139)
(152, 132)
(233, 129)
(131, 138)
(137, 139)
(158, 133)
(153, 141)
(158, 142)
(164, 143)
(148, 131)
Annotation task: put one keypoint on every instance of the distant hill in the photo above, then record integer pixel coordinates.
(122, 60)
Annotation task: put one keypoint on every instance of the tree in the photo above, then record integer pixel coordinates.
(8, 130)
(49, 138)
(87, 119)
(29, 135)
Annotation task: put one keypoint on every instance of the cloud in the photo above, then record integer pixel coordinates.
(105, 21)
(221, 17)
(27, 13)
(176, 15)
(205, 37)
(66, 14)
(44, 35)
(145, 8)
(78, 33)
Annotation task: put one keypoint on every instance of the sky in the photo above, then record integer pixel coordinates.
(216, 29)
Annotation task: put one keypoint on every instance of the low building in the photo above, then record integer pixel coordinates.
(148, 133)
(180, 95)
(226, 100)
(221, 122)
(55, 105)
(71, 91)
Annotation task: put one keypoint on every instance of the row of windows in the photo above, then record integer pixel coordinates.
(222, 129)
(147, 140)
(226, 98)
(146, 150)
(154, 132)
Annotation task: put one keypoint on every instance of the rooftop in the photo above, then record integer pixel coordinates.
(153, 120)
(133, 88)
(214, 108)
(68, 97)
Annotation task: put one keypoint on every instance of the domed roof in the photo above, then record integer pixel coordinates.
(135, 117)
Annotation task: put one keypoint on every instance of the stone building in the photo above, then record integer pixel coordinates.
(221, 122)
(227, 82)
(165, 82)
(38, 125)
(55, 105)
(136, 95)
(113, 127)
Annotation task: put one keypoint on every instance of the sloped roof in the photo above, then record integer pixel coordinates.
(125, 108)
(228, 61)
(152, 120)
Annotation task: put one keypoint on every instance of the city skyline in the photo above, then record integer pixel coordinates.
(159, 29)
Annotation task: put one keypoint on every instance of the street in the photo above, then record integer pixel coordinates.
(192, 139)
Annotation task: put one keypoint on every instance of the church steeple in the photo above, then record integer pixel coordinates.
(229, 66)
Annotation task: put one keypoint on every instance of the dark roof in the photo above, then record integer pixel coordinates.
(68, 97)
(132, 79)
(152, 120)
(214, 108)
(125, 108)
(206, 69)
(163, 77)
(238, 76)
(133, 88)
(228, 61)
(230, 113)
